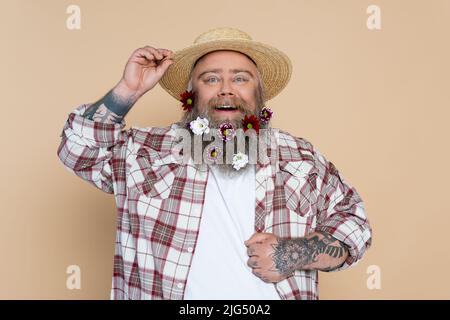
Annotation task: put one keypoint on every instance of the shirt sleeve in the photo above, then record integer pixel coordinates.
(87, 148)
(341, 212)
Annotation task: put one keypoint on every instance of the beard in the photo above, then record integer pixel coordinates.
(215, 121)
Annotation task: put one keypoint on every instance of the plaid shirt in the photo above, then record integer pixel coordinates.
(160, 202)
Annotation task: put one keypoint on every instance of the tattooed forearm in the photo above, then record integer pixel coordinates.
(318, 251)
(112, 108)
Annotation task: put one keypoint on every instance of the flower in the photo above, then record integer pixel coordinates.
(187, 98)
(199, 126)
(226, 131)
(265, 115)
(240, 160)
(250, 123)
(213, 153)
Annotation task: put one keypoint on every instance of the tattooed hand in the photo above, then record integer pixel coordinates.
(261, 249)
(273, 259)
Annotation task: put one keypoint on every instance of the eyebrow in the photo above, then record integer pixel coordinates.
(220, 71)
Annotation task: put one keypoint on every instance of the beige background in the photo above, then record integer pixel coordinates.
(375, 103)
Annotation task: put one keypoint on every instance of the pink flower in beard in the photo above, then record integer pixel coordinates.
(226, 131)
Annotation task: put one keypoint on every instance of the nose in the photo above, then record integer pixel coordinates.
(226, 89)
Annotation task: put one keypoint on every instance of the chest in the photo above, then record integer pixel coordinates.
(169, 199)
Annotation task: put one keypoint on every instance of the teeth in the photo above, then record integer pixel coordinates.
(225, 107)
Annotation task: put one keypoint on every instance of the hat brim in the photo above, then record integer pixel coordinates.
(274, 66)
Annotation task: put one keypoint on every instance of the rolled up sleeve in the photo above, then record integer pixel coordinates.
(87, 148)
(341, 212)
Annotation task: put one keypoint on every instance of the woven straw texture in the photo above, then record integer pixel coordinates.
(274, 66)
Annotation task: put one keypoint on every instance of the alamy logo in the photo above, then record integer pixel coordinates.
(374, 20)
(73, 21)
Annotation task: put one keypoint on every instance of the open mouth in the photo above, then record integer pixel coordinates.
(226, 108)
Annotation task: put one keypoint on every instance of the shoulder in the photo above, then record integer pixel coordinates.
(292, 148)
(296, 149)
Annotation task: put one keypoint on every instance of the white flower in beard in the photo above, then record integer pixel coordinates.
(240, 160)
(199, 126)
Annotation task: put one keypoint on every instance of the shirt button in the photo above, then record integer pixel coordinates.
(190, 249)
(180, 285)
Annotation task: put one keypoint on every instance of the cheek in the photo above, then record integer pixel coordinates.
(204, 96)
(248, 94)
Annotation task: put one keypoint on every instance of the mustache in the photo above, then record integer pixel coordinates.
(229, 101)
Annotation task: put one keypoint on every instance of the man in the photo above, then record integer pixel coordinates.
(210, 229)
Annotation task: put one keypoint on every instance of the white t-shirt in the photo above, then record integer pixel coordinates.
(219, 267)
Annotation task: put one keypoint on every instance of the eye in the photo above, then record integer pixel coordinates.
(211, 80)
(240, 79)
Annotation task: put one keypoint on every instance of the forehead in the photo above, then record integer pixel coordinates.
(224, 59)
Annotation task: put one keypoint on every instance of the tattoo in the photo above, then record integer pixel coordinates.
(103, 114)
(110, 109)
(292, 254)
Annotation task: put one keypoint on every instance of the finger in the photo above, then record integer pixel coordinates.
(263, 276)
(167, 56)
(166, 52)
(250, 242)
(251, 251)
(255, 247)
(257, 273)
(256, 237)
(158, 55)
(145, 54)
(253, 263)
(162, 67)
(161, 57)
(148, 55)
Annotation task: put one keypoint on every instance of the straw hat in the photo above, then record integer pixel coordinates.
(274, 66)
